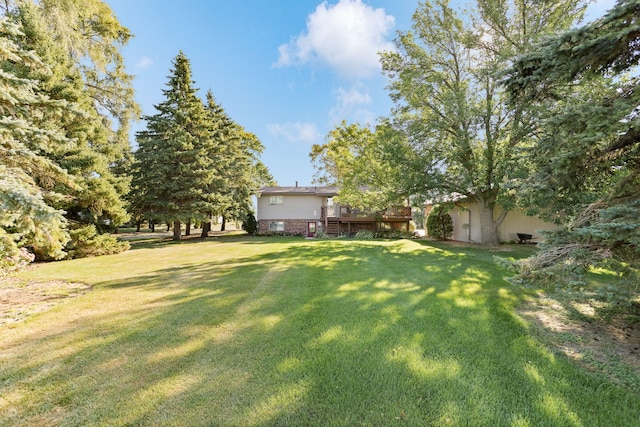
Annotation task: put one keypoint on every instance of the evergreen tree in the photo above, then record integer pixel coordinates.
(239, 171)
(29, 178)
(97, 197)
(174, 170)
(439, 222)
(587, 156)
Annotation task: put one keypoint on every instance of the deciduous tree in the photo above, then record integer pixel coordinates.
(445, 80)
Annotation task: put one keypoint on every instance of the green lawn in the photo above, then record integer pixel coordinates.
(255, 332)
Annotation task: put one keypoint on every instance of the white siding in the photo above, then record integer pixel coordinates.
(515, 222)
(292, 207)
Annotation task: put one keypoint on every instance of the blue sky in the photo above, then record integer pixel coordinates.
(286, 70)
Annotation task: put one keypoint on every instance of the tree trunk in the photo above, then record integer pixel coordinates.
(176, 230)
(152, 225)
(488, 226)
(187, 232)
(224, 223)
(206, 227)
(138, 225)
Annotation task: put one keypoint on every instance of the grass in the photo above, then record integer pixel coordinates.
(281, 331)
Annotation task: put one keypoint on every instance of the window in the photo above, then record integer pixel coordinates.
(275, 200)
(276, 226)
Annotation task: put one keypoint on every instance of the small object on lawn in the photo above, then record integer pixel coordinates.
(524, 238)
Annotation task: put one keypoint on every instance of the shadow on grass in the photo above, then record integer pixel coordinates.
(315, 333)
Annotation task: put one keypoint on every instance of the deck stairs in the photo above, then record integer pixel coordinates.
(333, 227)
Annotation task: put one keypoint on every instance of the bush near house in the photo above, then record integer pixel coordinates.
(439, 222)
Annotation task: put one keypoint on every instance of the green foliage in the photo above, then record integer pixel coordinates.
(360, 161)
(86, 242)
(29, 177)
(463, 136)
(364, 235)
(439, 222)
(193, 161)
(12, 258)
(250, 225)
(87, 71)
(174, 165)
(321, 235)
(583, 87)
(64, 80)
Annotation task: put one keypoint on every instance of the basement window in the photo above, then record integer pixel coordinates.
(276, 226)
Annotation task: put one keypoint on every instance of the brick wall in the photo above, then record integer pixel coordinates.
(297, 226)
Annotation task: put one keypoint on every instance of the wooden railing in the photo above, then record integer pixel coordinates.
(347, 212)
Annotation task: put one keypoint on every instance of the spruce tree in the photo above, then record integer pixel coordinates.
(98, 195)
(30, 180)
(583, 86)
(173, 170)
(235, 157)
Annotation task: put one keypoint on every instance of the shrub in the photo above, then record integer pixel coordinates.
(250, 225)
(439, 222)
(86, 242)
(280, 234)
(322, 235)
(364, 235)
(12, 258)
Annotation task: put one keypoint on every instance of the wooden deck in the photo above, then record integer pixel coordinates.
(335, 217)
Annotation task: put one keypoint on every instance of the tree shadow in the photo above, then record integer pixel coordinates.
(317, 333)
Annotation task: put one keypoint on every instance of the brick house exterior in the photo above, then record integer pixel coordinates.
(308, 210)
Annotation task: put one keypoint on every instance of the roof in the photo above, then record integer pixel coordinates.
(310, 191)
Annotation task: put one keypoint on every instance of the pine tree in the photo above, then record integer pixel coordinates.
(98, 194)
(172, 174)
(29, 178)
(587, 156)
(235, 158)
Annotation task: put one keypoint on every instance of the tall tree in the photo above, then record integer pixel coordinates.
(587, 156)
(29, 178)
(236, 158)
(93, 154)
(465, 137)
(175, 169)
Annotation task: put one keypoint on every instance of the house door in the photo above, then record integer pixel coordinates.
(311, 229)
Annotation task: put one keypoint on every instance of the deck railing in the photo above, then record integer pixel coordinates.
(347, 212)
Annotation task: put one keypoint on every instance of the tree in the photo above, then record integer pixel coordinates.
(361, 161)
(439, 222)
(464, 136)
(239, 171)
(29, 178)
(170, 176)
(588, 150)
(98, 195)
(250, 225)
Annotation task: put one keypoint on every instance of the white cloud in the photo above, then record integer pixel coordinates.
(349, 104)
(296, 132)
(346, 36)
(144, 62)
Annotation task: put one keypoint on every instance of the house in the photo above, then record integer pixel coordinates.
(308, 210)
(466, 223)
